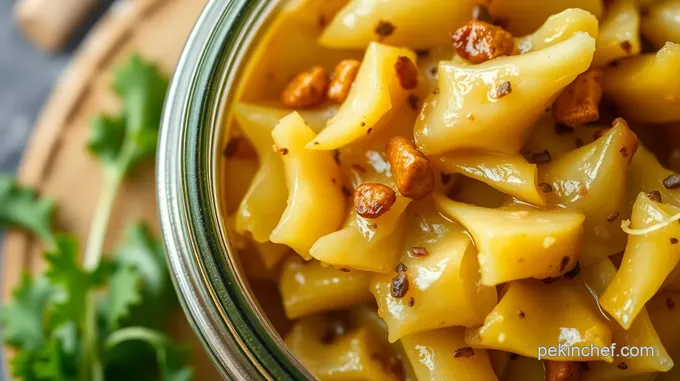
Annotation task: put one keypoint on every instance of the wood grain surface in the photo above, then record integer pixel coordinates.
(56, 161)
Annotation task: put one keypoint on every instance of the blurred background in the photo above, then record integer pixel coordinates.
(63, 53)
(27, 74)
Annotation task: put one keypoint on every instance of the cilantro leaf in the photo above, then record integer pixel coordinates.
(72, 282)
(23, 363)
(124, 292)
(22, 320)
(21, 208)
(121, 141)
(106, 137)
(145, 253)
(170, 357)
(53, 363)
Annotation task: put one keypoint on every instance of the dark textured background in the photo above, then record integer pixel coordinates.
(27, 76)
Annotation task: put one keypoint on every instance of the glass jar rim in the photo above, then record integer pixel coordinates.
(214, 296)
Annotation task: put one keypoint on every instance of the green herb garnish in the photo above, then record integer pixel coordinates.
(101, 319)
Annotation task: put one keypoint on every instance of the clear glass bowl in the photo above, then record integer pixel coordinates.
(213, 292)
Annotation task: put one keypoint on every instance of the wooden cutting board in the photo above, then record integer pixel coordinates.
(56, 161)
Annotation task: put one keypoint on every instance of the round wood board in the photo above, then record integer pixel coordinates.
(56, 161)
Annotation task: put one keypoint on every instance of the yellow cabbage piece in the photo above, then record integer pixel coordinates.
(259, 260)
(358, 353)
(641, 334)
(369, 244)
(466, 113)
(646, 88)
(647, 261)
(296, 28)
(431, 355)
(313, 179)
(362, 244)
(311, 287)
(511, 174)
(533, 314)
(524, 369)
(592, 180)
(546, 136)
(376, 91)
(238, 174)
(664, 313)
(417, 24)
(557, 28)
(474, 192)
(646, 174)
(661, 23)
(525, 16)
(265, 200)
(444, 288)
(519, 242)
(619, 33)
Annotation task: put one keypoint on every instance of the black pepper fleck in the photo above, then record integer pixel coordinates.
(414, 102)
(622, 366)
(573, 273)
(369, 130)
(399, 285)
(549, 280)
(654, 196)
(672, 181)
(579, 142)
(563, 263)
(465, 352)
(521, 314)
(670, 303)
(674, 241)
(411, 301)
(627, 46)
(418, 252)
(624, 151)
(502, 90)
(541, 157)
(384, 29)
(422, 53)
(446, 177)
(545, 187)
(563, 129)
(612, 217)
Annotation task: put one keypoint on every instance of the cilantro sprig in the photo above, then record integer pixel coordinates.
(97, 320)
(21, 208)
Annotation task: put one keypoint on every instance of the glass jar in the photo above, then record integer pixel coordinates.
(213, 292)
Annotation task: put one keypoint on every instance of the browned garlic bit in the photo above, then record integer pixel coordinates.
(410, 167)
(562, 371)
(373, 200)
(407, 72)
(307, 89)
(579, 102)
(343, 78)
(478, 41)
